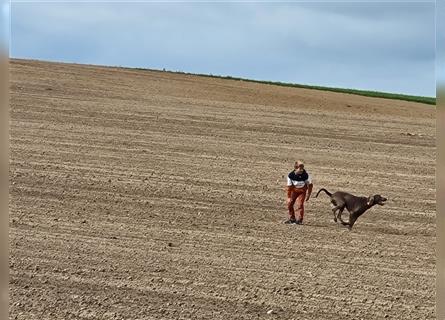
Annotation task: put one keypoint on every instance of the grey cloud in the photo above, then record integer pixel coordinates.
(294, 42)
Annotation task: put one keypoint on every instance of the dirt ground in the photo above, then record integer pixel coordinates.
(151, 195)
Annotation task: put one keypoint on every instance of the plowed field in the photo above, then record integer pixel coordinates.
(140, 194)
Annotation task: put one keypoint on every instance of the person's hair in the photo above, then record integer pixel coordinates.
(299, 164)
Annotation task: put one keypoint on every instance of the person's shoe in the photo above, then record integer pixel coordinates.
(290, 221)
(299, 221)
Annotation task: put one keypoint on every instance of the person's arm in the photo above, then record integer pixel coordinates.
(309, 187)
(309, 191)
(289, 187)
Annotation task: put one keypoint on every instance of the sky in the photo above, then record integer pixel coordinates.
(381, 46)
(440, 45)
(4, 27)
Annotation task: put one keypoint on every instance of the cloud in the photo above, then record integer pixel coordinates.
(319, 43)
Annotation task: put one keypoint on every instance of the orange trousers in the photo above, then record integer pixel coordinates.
(296, 195)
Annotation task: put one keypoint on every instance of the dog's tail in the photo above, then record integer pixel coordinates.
(323, 189)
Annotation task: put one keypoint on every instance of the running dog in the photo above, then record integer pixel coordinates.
(356, 206)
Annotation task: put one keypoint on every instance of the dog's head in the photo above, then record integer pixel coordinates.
(376, 199)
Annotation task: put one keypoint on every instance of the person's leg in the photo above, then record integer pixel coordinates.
(301, 195)
(291, 198)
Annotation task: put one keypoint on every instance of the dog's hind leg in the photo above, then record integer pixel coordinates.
(335, 205)
(334, 211)
(337, 211)
(340, 211)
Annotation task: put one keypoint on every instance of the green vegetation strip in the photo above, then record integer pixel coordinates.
(375, 94)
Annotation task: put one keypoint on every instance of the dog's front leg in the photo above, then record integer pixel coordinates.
(346, 224)
(352, 219)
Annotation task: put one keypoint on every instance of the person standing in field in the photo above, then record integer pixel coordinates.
(299, 189)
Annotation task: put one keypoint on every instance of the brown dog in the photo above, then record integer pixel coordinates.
(356, 206)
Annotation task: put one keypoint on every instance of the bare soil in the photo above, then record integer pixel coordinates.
(152, 195)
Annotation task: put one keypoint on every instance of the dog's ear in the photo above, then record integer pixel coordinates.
(370, 201)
